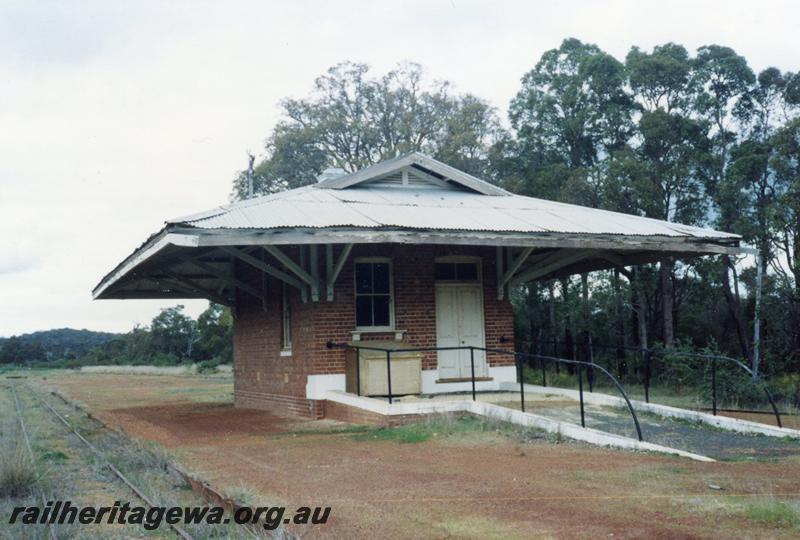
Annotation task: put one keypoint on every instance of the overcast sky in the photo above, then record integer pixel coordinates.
(115, 116)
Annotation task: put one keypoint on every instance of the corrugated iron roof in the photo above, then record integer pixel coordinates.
(408, 199)
(445, 209)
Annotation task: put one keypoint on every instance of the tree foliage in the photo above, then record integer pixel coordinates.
(691, 137)
(172, 337)
(697, 139)
(352, 119)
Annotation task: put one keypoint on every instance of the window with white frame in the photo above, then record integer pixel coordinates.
(373, 292)
(286, 318)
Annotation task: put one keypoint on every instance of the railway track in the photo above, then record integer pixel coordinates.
(50, 529)
(179, 531)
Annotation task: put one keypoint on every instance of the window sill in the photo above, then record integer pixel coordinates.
(463, 379)
(286, 352)
(398, 334)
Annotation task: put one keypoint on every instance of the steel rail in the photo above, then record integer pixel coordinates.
(50, 529)
(139, 493)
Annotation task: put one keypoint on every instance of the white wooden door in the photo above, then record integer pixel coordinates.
(459, 323)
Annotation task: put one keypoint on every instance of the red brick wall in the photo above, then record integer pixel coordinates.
(414, 304)
(264, 378)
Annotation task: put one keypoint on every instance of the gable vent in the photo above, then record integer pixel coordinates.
(406, 178)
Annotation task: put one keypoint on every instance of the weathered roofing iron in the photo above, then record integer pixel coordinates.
(431, 209)
(411, 199)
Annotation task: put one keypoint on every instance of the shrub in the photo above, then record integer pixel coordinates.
(163, 359)
(735, 387)
(17, 473)
(210, 366)
(787, 388)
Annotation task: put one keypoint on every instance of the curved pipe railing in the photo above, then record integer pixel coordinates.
(518, 356)
(714, 357)
(646, 361)
(590, 365)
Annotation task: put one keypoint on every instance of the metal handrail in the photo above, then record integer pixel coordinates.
(518, 360)
(714, 357)
(590, 365)
(646, 361)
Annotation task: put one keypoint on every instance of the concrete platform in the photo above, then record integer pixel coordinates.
(683, 432)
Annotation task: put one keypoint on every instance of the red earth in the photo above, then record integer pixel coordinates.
(475, 484)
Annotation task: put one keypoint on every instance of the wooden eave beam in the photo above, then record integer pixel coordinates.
(516, 264)
(314, 261)
(553, 262)
(264, 267)
(179, 282)
(334, 269)
(618, 243)
(304, 290)
(499, 270)
(237, 283)
(290, 264)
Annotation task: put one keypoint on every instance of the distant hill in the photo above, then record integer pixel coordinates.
(52, 344)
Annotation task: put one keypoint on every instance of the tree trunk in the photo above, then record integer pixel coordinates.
(665, 270)
(532, 301)
(735, 307)
(761, 261)
(552, 315)
(640, 307)
(585, 315)
(619, 327)
(570, 352)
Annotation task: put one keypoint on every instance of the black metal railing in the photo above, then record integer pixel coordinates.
(645, 358)
(713, 358)
(518, 360)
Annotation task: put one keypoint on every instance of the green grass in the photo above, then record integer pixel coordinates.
(55, 455)
(414, 433)
(443, 426)
(354, 428)
(774, 514)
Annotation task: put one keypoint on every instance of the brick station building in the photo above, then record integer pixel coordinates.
(409, 252)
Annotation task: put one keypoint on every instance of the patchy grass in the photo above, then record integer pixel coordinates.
(466, 527)
(54, 455)
(412, 433)
(339, 430)
(774, 514)
(444, 425)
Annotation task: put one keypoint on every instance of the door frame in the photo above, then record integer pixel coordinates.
(482, 368)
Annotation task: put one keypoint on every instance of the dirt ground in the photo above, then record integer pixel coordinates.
(791, 421)
(474, 484)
